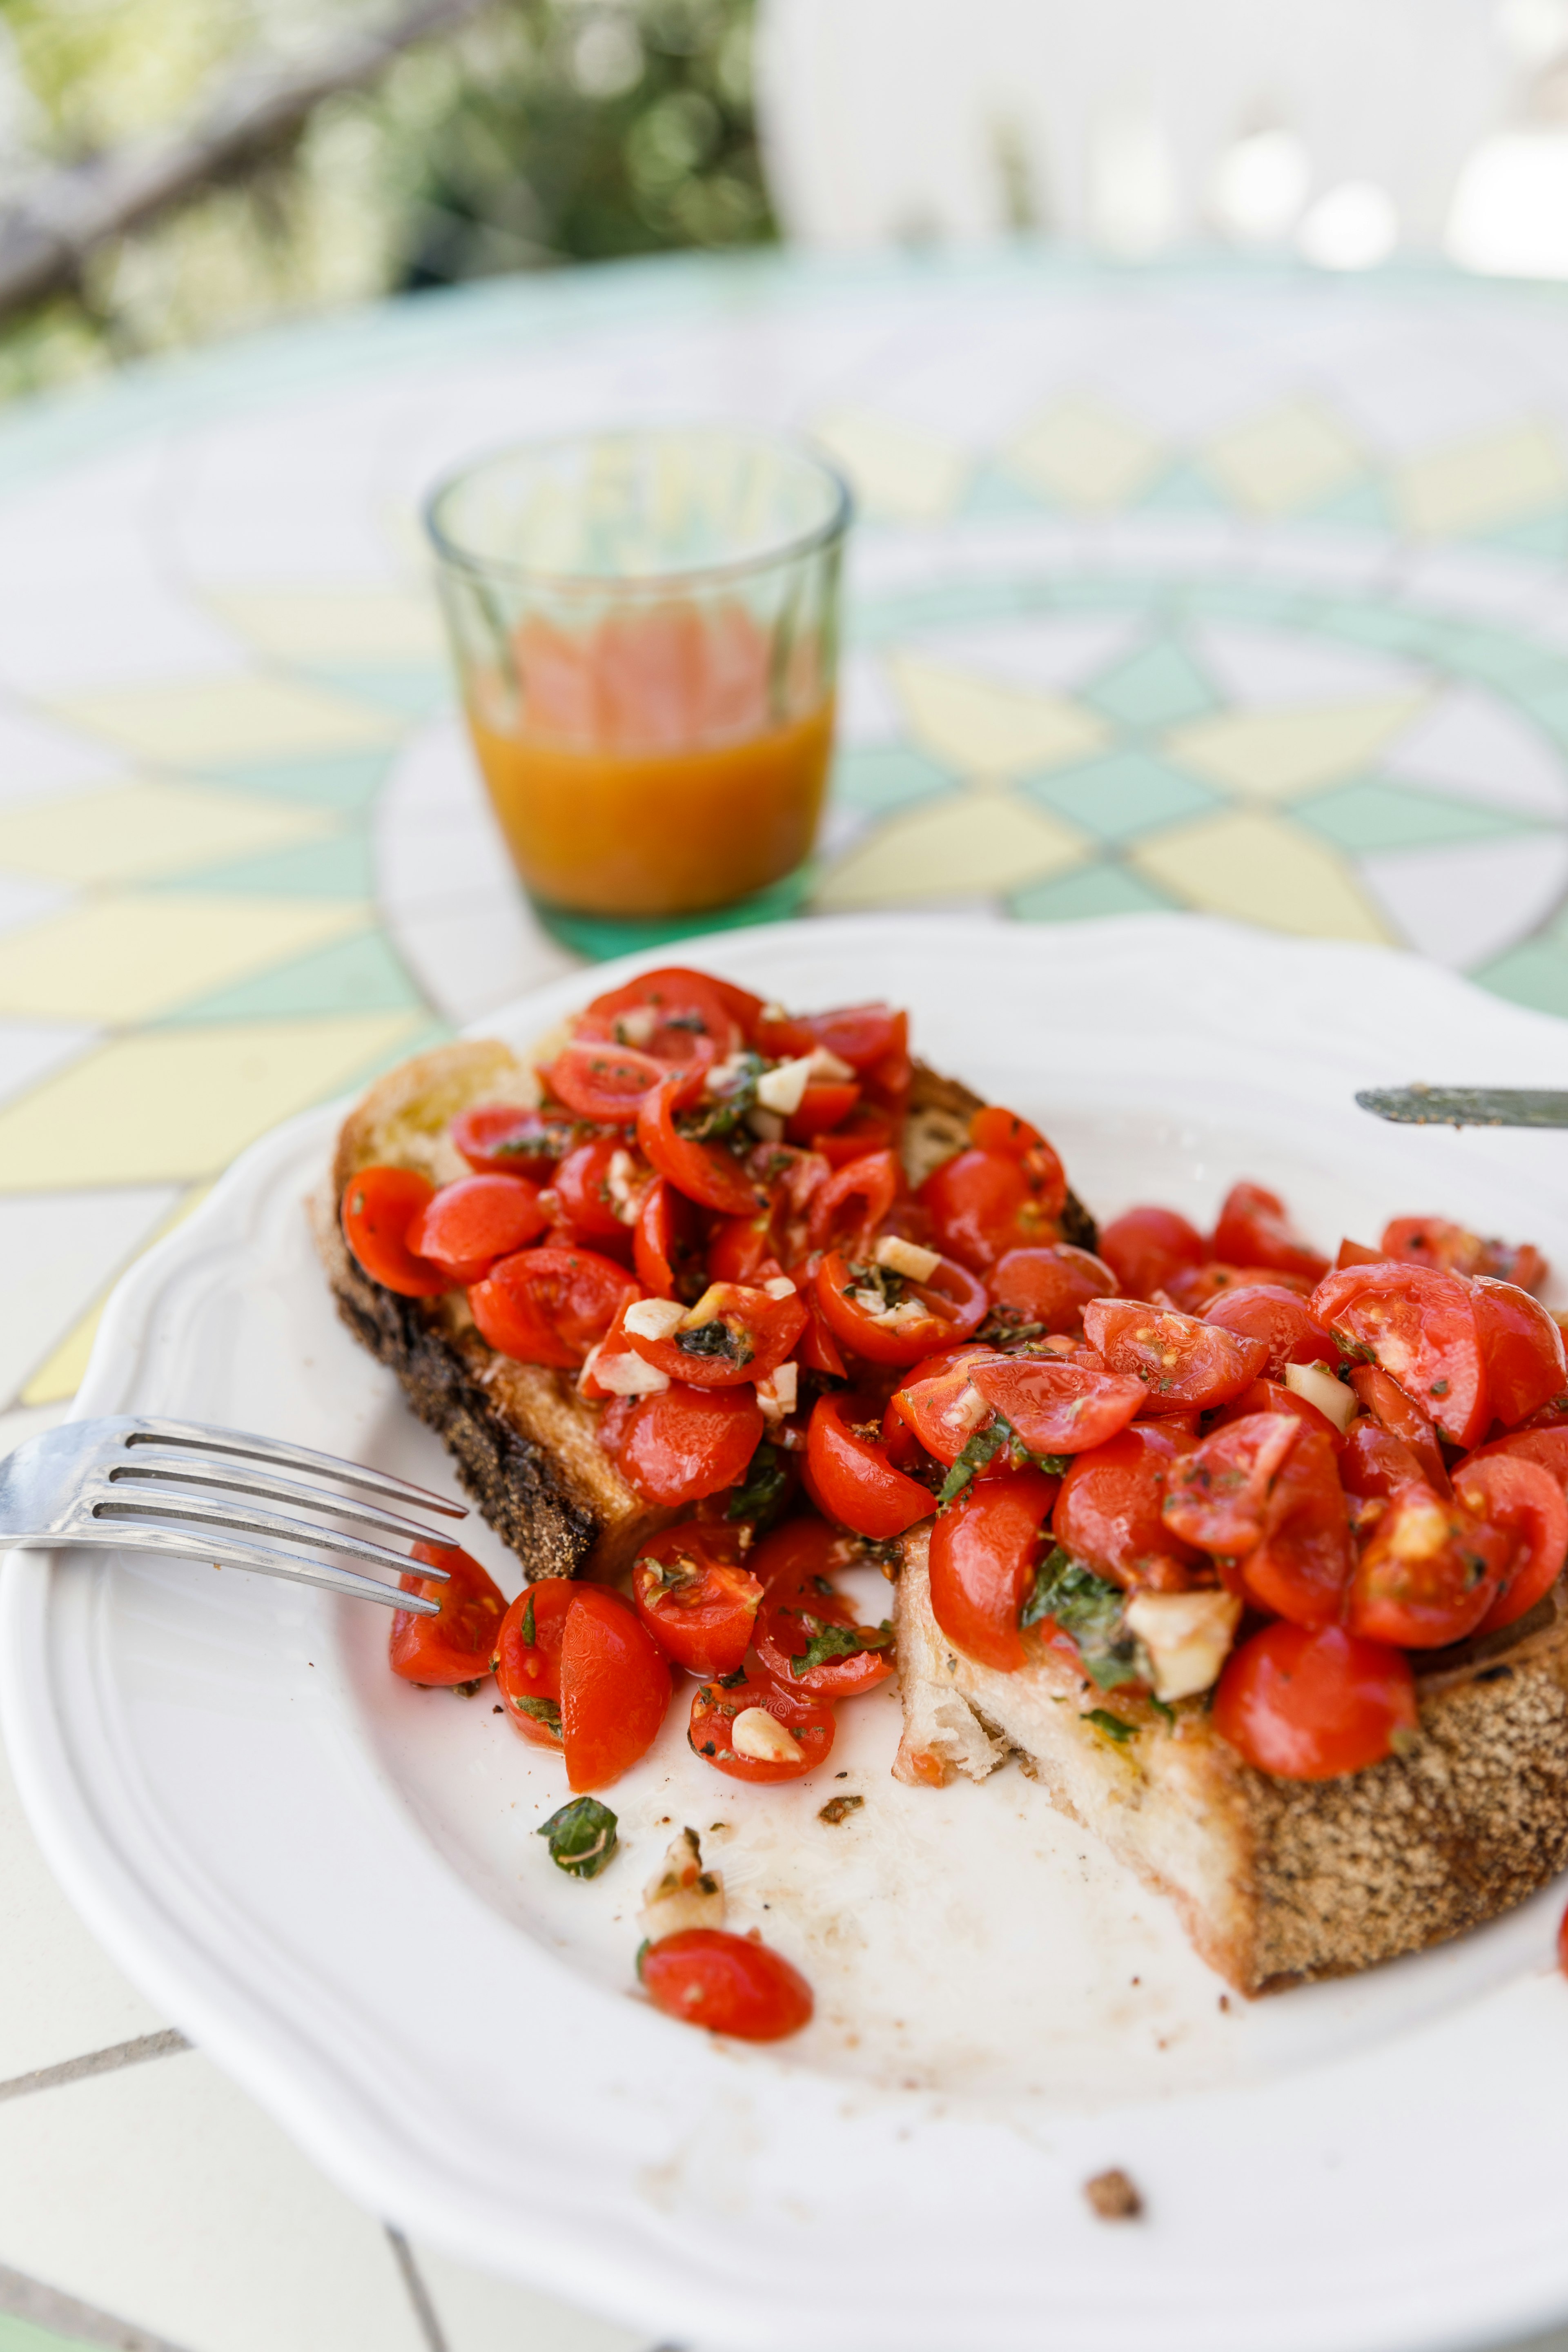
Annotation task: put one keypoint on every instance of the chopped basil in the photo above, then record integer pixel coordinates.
(642, 1950)
(527, 1628)
(838, 1642)
(716, 1339)
(542, 1710)
(1167, 1714)
(990, 1440)
(1112, 1725)
(767, 1483)
(732, 1682)
(1089, 1608)
(1005, 1327)
(581, 1837)
(723, 1117)
(838, 1809)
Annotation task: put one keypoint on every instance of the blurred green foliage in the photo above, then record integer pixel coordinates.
(543, 131)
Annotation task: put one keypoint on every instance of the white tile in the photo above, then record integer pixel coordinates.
(431, 861)
(486, 2314)
(1260, 668)
(161, 2194)
(1043, 655)
(867, 711)
(39, 761)
(473, 955)
(1464, 905)
(25, 899)
(1469, 744)
(58, 1250)
(29, 1050)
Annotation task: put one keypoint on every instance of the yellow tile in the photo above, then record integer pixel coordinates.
(1277, 753)
(229, 720)
(896, 469)
(1479, 485)
(1293, 457)
(172, 1106)
(61, 1373)
(139, 830)
(974, 845)
(1085, 455)
(983, 729)
(327, 624)
(1261, 869)
(131, 958)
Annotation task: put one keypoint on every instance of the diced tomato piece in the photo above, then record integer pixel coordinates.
(1180, 1360)
(1357, 1253)
(847, 1211)
(1373, 1463)
(804, 1617)
(1429, 1572)
(687, 1442)
(1144, 1247)
(866, 1130)
(1423, 1329)
(1433, 1241)
(1050, 1285)
(666, 1243)
(705, 1172)
(718, 1705)
(1218, 1496)
(850, 1476)
(825, 1102)
(379, 1206)
(468, 1225)
(1378, 1393)
(731, 1334)
(1269, 1312)
(706, 1977)
(500, 1139)
(549, 1306)
(1302, 1566)
(1308, 1705)
(599, 1079)
(458, 1645)
(1523, 1347)
(1110, 1511)
(948, 1304)
(673, 1014)
(1523, 1499)
(1057, 1405)
(1255, 1229)
(527, 1659)
(985, 1551)
(696, 1597)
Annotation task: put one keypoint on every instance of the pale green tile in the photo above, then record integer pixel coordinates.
(1372, 814)
(339, 868)
(408, 689)
(1126, 793)
(357, 975)
(1535, 973)
(878, 619)
(1543, 535)
(1359, 505)
(1183, 489)
(1157, 686)
(878, 777)
(996, 496)
(1237, 600)
(1092, 890)
(1546, 701)
(22, 2335)
(1363, 622)
(349, 781)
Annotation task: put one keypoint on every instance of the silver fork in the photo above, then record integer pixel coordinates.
(178, 1488)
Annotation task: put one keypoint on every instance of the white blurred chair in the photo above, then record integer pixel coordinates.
(1343, 127)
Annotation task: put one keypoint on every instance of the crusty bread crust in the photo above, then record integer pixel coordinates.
(1277, 1882)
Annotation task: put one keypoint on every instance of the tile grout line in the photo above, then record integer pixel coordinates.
(165, 2045)
(44, 2306)
(418, 2292)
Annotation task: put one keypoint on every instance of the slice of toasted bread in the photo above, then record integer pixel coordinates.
(1277, 1882)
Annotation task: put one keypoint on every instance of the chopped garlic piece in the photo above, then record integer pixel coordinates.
(684, 1894)
(1187, 1635)
(963, 1416)
(780, 1393)
(781, 1286)
(654, 1319)
(783, 1089)
(765, 1124)
(621, 1183)
(889, 1318)
(723, 1077)
(762, 1736)
(827, 1069)
(907, 1257)
(636, 1026)
(625, 1374)
(1320, 1387)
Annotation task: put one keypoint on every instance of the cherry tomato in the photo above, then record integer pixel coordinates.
(1050, 1285)
(1357, 1253)
(1433, 1241)
(1219, 1495)
(1424, 1329)
(805, 1546)
(1547, 1446)
(994, 1129)
(1180, 1360)
(984, 1204)
(1255, 1229)
(695, 1597)
(666, 1243)
(585, 1188)
(458, 1645)
(1373, 1463)
(849, 1474)
(1300, 1569)
(500, 1139)
(1194, 1288)
(600, 1080)
(1562, 1943)
(985, 1551)
(1269, 1396)
(824, 1104)
(860, 1035)
(804, 1612)
(1524, 1349)
(705, 1172)
(673, 1014)
(1109, 1513)
(866, 1130)
(1527, 1504)
(731, 1334)
(847, 1210)
(549, 1306)
(614, 1688)
(1312, 1705)
(527, 1659)
(379, 1206)
(1267, 1311)
(942, 1409)
(1403, 1418)
(1055, 1405)
(818, 1351)
(1429, 1572)
(728, 1983)
(468, 1225)
(717, 1705)
(688, 1442)
(936, 1312)
(1144, 1247)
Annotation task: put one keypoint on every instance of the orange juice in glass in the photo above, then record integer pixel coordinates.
(646, 627)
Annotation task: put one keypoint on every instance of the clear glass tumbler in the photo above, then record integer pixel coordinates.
(646, 629)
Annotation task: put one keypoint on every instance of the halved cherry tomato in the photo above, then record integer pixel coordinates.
(696, 1597)
(865, 1130)
(1050, 1285)
(1527, 1503)
(667, 1244)
(949, 1303)
(596, 1206)
(614, 1688)
(985, 1551)
(379, 1206)
(1194, 1288)
(804, 1612)
(803, 1546)
(549, 1306)
(1144, 1247)
(711, 1733)
(458, 1645)
(1255, 1229)
(1267, 1311)
(602, 1080)
(1269, 1396)
(1357, 1254)
(1524, 1349)
(1056, 1405)
(468, 1225)
(1429, 1573)
(825, 1102)
(1547, 1446)
(818, 1351)
(1312, 1705)
(1381, 1395)
(1373, 1463)
(1424, 1329)
(500, 1139)
(704, 1976)
(994, 1129)
(1179, 1359)
(1300, 1569)
(687, 1442)
(984, 1204)
(1109, 1513)
(1433, 1241)
(675, 1014)
(850, 1476)
(739, 1247)
(847, 1210)
(731, 1334)
(1218, 1496)
(860, 1035)
(705, 1172)
(942, 1409)
(527, 1659)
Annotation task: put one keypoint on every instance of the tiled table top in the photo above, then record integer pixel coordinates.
(1243, 592)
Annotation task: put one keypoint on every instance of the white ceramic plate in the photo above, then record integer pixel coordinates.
(328, 1877)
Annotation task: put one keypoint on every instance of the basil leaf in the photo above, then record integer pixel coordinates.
(723, 1117)
(767, 1483)
(542, 1710)
(527, 1628)
(975, 1456)
(1112, 1725)
(838, 1642)
(1091, 1609)
(716, 1339)
(581, 1837)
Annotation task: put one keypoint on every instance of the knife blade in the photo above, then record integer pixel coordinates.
(1420, 1106)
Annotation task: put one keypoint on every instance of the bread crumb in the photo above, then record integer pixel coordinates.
(1113, 2197)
